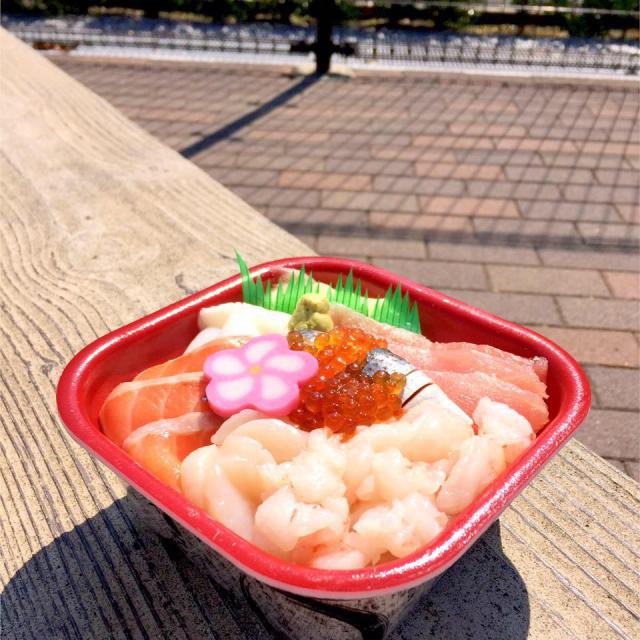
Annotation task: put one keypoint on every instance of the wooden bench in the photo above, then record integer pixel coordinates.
(100, 223)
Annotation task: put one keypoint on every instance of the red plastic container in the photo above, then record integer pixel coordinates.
(120, 355)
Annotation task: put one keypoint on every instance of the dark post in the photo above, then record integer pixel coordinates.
(325, 12)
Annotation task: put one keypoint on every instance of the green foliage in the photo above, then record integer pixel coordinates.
(48, 7)
(395, 308)
(285, 298)
(439, 18)
(217, 10)
(585, 26)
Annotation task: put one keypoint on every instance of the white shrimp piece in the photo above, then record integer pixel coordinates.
(343, 557)
(241, 462)
(205, 483)
(507, 427)
(316, 473)
(339, 506)
(381, 529)
(395, 476)
(260, 541)
(205, 336)
(433, 433)
(427, 521)
(332, 514)
(327, 520)
(320, 525)
(242, 319)
(366, 492)
(283, 520)
(436, 432)
(357, 510)
(281, 439)
(371, 477)
(479, 461)
(370, 549)
(358, 467)
(399, 528)
(329, 447)
(312, 479)
(236, 420)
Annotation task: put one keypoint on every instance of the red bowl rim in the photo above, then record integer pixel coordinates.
(400, 574)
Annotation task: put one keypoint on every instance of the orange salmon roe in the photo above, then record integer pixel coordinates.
(340, 396)
(337, 348)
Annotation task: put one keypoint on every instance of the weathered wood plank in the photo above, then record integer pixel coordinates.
(99, 224)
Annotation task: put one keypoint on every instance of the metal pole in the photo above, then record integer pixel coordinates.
(325, 12)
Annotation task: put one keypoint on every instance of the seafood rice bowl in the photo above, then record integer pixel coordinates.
(323, 427)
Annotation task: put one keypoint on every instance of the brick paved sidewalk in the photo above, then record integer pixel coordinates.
(518, 197)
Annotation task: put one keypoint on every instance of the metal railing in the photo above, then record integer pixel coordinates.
(392, 47)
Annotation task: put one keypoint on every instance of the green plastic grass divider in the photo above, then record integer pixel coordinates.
(395, 308)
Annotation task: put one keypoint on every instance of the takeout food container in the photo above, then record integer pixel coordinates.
(388, 588)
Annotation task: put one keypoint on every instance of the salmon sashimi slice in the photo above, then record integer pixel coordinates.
(466, 390)
(161, 446)
(192, 361)
(464, 357)
(133, 404)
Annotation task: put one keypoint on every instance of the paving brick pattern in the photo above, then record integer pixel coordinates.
(520, 197)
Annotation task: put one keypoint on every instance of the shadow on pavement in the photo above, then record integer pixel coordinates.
(518, 236)
(130, 572)
(443, 158)
(230, 129)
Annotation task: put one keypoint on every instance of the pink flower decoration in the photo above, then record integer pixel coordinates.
(264, 375)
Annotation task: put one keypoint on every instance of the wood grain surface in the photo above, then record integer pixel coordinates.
(99, 224)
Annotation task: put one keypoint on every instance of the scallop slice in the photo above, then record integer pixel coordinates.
(241, 460)
(281, 439)
(205, 483)
(236, 420)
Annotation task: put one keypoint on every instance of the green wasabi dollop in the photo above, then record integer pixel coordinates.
(311, 312)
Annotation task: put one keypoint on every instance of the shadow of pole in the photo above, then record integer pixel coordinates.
(164, 582)
(230, 129)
